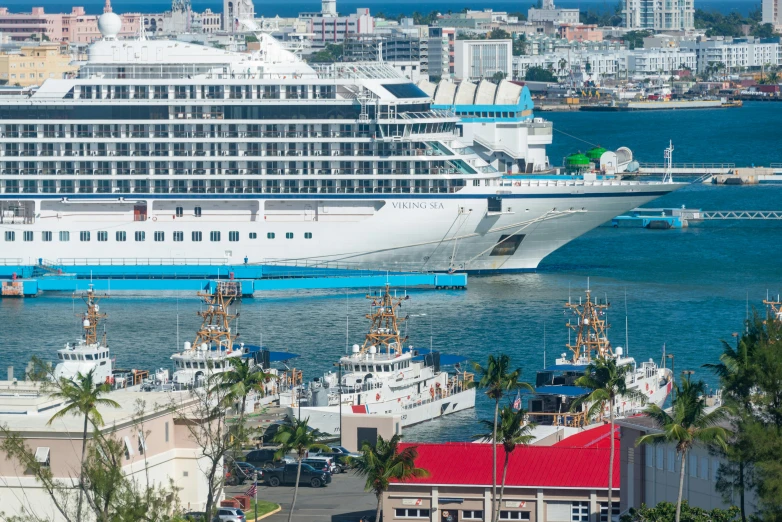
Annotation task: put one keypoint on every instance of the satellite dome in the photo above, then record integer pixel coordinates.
(109, 25)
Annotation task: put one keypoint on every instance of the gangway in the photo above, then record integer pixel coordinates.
(666, 218)
(741, 214)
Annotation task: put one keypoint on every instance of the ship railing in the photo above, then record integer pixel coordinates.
(571, 420)
(10, 261)
(343, 265)
(663, 166)
(141, 261)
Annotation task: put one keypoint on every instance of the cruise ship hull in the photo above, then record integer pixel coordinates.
(499, 228)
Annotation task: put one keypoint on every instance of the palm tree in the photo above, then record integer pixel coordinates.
(384, 462)
(82, 397)
(497, 379)
(606, 381)
(688, 424)
(242, 378)
(512, 431)
(298, 437)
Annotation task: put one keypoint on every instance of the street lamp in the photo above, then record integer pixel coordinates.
(688, 373)
(673, 376)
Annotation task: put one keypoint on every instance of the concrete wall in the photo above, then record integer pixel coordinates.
(387, 426)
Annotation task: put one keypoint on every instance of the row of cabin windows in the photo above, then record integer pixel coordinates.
(82, 357)
(377, 368)
(196, 365)
(121, 236)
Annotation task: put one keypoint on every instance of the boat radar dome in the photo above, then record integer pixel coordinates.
(373, 349)
(86, 323)
(619, 351)
(109, 25)
(187, 345)
(356, 348)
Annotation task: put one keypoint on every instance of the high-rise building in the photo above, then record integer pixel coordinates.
(549, 13)
(671, 15)
(772, 13)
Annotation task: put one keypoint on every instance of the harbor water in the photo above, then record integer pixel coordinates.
(686, 289)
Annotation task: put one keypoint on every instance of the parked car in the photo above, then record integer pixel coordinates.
(339, 454)
(263, 458)
(323, 463)
(226, 514)
(287, 475)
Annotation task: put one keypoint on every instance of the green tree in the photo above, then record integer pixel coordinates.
(243, 377)
(300, 438)
(512, 431)
(539, 74)
(82, 397)
(498, 77)
(686, 426)
(665, 511)
(499, 34)
(497, 379)
(606, 381)
(383, 462)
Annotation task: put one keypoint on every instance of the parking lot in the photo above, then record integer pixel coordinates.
(344, 500)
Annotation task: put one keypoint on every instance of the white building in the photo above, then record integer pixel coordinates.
(671, 15)
(549, 13)
(734, 52)
(659, 61)
(235, 11)
(772, 13)
(479, 59)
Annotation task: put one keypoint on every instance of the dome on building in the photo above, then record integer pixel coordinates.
(577, 160)
(109, 25)
(595, 153)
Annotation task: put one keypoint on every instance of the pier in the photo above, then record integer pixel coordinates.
(717, 173)
(19, 279)
(668, 218)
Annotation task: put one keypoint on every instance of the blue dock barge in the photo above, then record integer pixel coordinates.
(20, 279)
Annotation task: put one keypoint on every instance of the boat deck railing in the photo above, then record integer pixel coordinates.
(366, 268)
(137, 261)
(568, 419)
(570, 183)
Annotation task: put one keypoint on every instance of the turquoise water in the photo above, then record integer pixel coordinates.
(686, 289)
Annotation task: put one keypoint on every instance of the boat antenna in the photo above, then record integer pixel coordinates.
(746, 321)
(544, 345)
(627, 336)
(347, 321)
(177, 323)
(568, 292)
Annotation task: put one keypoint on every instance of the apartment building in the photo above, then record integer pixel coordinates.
(32, 65)
(671, 15)
(734, 52)
(771, 11)
(73, 27)
(482, 59)
(437, 53)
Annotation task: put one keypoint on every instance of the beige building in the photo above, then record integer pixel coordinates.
(650, 474)
(158, 445)
(33, 65)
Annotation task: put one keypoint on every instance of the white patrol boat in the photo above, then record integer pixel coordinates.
(382, 377)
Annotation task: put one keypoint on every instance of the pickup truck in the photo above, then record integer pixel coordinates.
(287, 475)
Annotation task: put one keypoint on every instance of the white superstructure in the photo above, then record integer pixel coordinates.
(159, 148)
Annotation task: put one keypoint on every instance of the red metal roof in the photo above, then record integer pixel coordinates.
(462, 463)
(591, 438)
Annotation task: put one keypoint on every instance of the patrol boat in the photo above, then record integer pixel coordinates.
(382, 376)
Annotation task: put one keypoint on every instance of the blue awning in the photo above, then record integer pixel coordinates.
(581, 368)
(282, 356)
(567, 391)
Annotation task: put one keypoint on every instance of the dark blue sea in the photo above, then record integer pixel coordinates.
(291, 8)
(685, 289)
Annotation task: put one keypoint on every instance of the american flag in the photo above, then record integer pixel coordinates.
(253, 490)
(517, 402)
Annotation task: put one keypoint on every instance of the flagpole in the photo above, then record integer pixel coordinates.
(256, 497)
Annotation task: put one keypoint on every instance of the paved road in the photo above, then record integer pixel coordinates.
(344, 500)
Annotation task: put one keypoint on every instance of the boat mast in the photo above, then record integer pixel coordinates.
(384, 330)
(590, 330)
(774, 308)
(216, 325)
(92, 316)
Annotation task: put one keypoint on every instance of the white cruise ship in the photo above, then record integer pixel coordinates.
(159, 148)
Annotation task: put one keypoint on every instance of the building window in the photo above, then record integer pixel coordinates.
(579, 512)
(474, 514)
(514, 515)
(121, 236)
(84, 236)
(253, 235)
(196, 236)
(142, 443)
(308, 235)
(179, 236)
(604, 511)
(27, 236)
(42, 456)
(10, 235)
(269, 235)
(671, 461)
(704, 470)
(233, 236)
(103, 236)
(214, 235)
(128, 448)
(141, 236)
(288, 235)
(411, 513)
(65, 235)
(649, 456)
(197, 211)
(160, 236)
(179, 212)
(659, 457)
(166, 431)
(46, 236)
